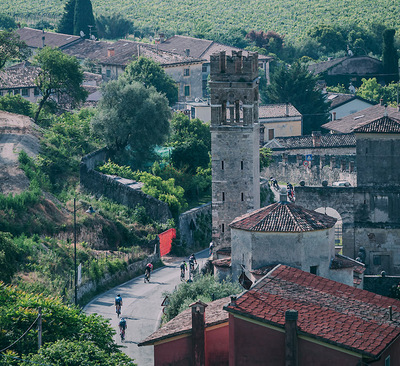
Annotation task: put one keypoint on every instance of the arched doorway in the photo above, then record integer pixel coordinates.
(338, 226)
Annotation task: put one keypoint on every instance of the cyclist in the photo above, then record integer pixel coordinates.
(118, 304)
(210, 248)
(274, 183)
(122, 327)
(183, 267)
(290, 191)
(147, 270)
(192, 262)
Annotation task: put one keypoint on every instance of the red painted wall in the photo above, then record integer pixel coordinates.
(217, 346)
(166, 240)
(393, 352)
(176, 352)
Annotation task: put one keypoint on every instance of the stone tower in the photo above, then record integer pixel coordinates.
(234, 140)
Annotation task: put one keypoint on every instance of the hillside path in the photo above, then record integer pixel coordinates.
(141, 307)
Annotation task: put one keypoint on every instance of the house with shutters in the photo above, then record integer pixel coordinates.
(288, 317)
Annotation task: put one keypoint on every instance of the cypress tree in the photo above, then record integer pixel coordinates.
(83, 17)
(390, 58)
(66, 24)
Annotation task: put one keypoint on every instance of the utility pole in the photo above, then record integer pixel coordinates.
(75, 269)
(40, 328)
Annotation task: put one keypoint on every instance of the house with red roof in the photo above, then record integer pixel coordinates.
(289, 317)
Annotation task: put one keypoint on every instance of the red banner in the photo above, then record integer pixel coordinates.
(166, 241)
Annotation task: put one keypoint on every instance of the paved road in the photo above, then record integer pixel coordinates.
(141, 307)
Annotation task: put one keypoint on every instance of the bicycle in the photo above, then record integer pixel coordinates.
(182, 275)
(118, 310)
(146, 276)
(122, 334)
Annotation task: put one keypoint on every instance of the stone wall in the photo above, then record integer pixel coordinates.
(330, 168)
(193, 224)
(115, 189)
(92, 287)
(381, 285)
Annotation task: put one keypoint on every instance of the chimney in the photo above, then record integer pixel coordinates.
(291, 348)
(43, 39)
(162, 37)
(381, 102)
(283, 193)
(386, 112)
(233, 301)
(333, 116)
(287, 110)
(198, 333)
(316, 138)
(187, 52)
(110, 52)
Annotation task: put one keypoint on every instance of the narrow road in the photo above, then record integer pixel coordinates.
(141, 307)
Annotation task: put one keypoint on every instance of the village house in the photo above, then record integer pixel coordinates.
(349, 70)
(344, 104)
(288, 317)
(279, 120)
(203, 49)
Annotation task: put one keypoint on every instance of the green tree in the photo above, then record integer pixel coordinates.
(150, 73)
(16, 104)
(12, 47)
(129, 114)
(296, 85)
(265, 157)
(66, 24)
(192, 154)
(70, 353)
(185, 129)
(7, 22)
(60, 75)
(329, 37)
(370, 89)
(84, 18)
(390, 57)
(113, 26)
(8, 257)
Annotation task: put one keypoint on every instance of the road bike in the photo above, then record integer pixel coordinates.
(122, 333)
(118, 310)
(146, 276)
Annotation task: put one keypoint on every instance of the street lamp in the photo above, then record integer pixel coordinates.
(90, 210)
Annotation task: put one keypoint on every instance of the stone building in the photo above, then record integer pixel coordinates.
(285, 233)
(370, 211)
(234, 140)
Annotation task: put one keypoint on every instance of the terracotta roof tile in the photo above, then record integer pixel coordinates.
(336, 313)
(22, 75)
(385, 124)
(33, 38)
(283, 217)
(348, 123)
(306, 141)
(341, 261)
(277, 110)
(182, 323)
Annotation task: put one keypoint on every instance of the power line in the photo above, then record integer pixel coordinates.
(23, 335)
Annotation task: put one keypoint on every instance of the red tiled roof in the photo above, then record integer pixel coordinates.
(277, 110)
(283, 217)
(335, 313)
(385, 124)
(22, 75)
(182, 323)
(348, 123)
(224, 262)
(341, 261)
(34, 38)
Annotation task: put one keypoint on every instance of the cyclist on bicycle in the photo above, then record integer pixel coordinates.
(118, 304)
(122, 327)
(274, 183)
(192, 262)
(183, 267)
(147, 271)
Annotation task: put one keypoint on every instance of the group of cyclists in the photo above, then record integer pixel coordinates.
(183, 267)
(289, 188)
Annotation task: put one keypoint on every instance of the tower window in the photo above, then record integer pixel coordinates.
(223, 196)
(241, 165)
(222, 165)
(242, 196)
(314, 270)
(223, 228)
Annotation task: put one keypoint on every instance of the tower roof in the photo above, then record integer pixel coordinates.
(283, 217)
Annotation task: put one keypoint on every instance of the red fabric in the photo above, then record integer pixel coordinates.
(166, 240)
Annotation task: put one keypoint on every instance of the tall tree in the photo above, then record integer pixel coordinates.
(84, 18)
(7, 23)
(390, 57)
(129, 114)
(150, 73)
(113, 26)
(11, 47)
(296, 85)
(60, 75)
(66, 24)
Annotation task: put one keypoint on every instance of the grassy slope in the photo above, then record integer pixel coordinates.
(291, 17)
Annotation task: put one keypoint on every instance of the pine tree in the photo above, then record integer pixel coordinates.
(83, 18)
(390, 58)
(66, 24)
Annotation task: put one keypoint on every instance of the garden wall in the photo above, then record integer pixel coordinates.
(123, 191)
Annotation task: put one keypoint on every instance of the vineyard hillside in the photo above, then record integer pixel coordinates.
(290, 17)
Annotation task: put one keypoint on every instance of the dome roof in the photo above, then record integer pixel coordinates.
(283, 217)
